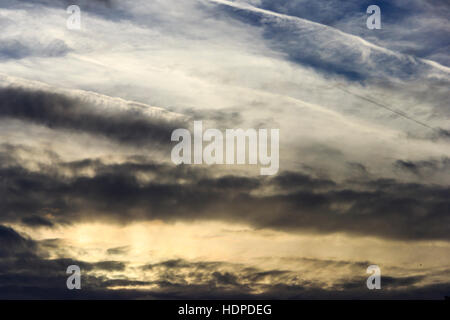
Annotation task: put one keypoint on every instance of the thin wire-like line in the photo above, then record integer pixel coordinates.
(400, 113)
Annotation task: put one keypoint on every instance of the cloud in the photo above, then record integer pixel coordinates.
(15, 49)
(36, 221)
(296, 202)
(85, 4)
(131, 125)
(24, 269)
(363, 122)
(429, 39)
(327, 49)
(13, 243)
(117, 250)
(32, 276)
(294, 180)
(424, 167)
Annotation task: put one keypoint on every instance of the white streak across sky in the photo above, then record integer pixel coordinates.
(86, 118)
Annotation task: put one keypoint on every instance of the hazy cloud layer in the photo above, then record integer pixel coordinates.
(131, 125)
(25, 273)
(86, 118)
(294, 201)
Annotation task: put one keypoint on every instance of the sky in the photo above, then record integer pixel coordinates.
(86, 176)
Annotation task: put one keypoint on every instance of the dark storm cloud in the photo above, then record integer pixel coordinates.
(358, 291)
(423, 167)
(57, 111)
(290, 201)
(444, 134)
(294, 180)
(36, 221)
(323, 263)
(12, 243)
(230, 183)
(182, 264)
(18, 251)
(108, 265)
(25, 274)
(411, 166)
(216, 274)
(389, 283)
(258, 276)
(392, 282)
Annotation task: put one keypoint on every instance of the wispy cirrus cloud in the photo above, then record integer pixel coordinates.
(85, 124)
